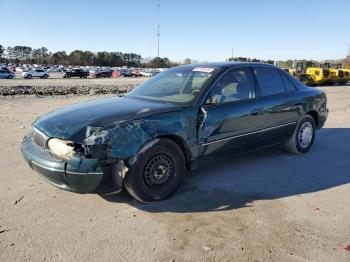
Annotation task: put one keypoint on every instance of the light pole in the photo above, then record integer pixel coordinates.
(158, 27)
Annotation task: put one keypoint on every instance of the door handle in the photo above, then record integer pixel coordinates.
(258, 111)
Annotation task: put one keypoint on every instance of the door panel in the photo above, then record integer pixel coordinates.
(281, 107)
(242, 125)
(229, 129)
(230, 116)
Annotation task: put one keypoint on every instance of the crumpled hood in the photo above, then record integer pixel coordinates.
(76, 122)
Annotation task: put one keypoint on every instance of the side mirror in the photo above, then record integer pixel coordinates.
(211, 101)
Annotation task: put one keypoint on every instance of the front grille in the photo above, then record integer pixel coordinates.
(39, 138)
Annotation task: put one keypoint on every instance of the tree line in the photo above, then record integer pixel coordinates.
(28, 55)
(345, 63)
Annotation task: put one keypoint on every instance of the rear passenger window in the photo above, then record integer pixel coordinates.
(270, 81)
(287, 83)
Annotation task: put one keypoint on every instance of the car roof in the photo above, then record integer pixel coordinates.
(226, 65)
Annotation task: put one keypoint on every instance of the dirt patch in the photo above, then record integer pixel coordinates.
(56, 85)
(264, 206)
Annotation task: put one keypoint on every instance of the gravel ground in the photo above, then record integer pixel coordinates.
(263, 206)
(57, 85)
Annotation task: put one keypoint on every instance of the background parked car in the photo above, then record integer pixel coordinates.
(106, 73)
(136, 73)
(6, 74)
(54, 69)
(145, 73)
(75, 73)
(35, 73)
(126, 73)
(116, 73)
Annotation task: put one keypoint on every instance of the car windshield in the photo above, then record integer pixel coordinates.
(177, 85)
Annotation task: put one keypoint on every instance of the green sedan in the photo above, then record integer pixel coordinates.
(176, 121)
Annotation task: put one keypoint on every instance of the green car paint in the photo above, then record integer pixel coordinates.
(120, 128)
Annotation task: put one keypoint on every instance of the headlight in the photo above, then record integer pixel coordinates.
(61, 148)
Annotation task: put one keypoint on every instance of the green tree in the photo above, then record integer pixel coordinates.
(187, 61)
(81, 58)
(59, 58)
(132, 59)
(156, 62)
(9, 54)
(40, 55)
(2, 52)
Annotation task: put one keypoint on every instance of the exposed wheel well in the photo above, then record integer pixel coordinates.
(182, 144)
(314, 115)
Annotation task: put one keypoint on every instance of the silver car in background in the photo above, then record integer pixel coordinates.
(7, 74)
(35, 73)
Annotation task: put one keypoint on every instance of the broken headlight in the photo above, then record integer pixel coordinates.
(61, 148)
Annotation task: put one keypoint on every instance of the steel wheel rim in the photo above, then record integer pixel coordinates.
(305, 135)
(158, 171)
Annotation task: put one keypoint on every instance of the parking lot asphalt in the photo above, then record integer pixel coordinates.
(263, 206)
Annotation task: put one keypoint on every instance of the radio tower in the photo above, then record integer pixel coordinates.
(158, 27)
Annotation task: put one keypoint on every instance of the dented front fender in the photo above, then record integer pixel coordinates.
(125, 139)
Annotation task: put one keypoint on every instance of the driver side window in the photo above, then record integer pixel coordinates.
(234, 85)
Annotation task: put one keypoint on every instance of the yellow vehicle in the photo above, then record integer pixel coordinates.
(338, 76)
(314, 76)
(347, 73)
(346, 77)
(291, 71)
(334, 76)
(311, 73)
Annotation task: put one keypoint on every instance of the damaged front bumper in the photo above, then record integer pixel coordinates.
(80, 175)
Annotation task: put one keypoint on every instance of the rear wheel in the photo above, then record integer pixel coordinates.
(303, 136)
(305, 80)
(156, 174)
(10, 77)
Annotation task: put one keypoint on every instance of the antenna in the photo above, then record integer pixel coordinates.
(158, 27)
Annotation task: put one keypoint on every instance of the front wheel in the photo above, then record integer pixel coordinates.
(157, 171)
(305, 80)
(303, 136)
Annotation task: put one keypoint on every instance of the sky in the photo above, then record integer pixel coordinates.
(200, 30)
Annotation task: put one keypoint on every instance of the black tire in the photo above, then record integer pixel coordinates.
(10, 77)
(29, 76)
(296, 143)
(157, 171)
(46, 76)
(305, 80)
